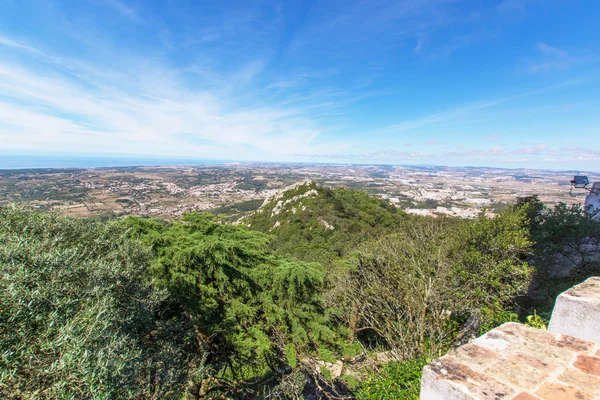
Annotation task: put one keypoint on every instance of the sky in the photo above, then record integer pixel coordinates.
(502, 83)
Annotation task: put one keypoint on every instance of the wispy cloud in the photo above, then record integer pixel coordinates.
(549, 50)
(582, 153)
(476, 152)
(453, 115)
(535, 149)
(11, 43)
(540, 154)
(555, 59)
(123, 9)
(388, 155)
(52, 111)
(491, 138)
(269, 80)
(420, 44)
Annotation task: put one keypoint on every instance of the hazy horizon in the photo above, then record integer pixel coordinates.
(29, 161)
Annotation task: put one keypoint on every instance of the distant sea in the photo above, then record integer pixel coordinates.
(14, 161)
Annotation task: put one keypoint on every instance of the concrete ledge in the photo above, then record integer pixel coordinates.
(517, 362)
(577, 311)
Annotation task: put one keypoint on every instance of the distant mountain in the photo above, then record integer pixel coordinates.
(316, 223)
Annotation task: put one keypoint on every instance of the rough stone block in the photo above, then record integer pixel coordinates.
(577, 311)
(516, 362)
(555, 391)
(587, 364)
(450, 380)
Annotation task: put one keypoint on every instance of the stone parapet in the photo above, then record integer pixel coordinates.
(577, 311)
(518, 362)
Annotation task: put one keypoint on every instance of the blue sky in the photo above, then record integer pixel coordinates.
(508, 83)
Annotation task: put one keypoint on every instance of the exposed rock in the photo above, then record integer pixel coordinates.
(335, 368)
(280, 205)
(279, 194)
(326, 224)
(385, 357)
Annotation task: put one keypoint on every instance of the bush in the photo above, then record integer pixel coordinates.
(400, 288)
(567, 244)
(536, 321)
(491, 319)
(399, 380)
(79, 316)
(408, 290)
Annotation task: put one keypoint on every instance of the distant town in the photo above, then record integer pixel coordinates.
(237, 189)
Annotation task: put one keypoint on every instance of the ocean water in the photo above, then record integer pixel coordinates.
(14, 161)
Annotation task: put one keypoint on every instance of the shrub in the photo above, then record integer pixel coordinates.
(408, 290)
(536, 321)
(79, 317)
(399, 380)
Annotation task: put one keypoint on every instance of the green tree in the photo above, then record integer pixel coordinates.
(245, 304)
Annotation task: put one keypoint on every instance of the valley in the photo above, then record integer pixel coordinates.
(239, 188)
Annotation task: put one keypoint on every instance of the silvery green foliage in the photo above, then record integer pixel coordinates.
(79, 317)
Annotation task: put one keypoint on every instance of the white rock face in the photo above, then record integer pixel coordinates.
(280, 206)
(335, 368)
(279, 193)
(277, 209)
(327, 225)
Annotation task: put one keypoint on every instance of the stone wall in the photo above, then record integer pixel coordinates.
(518, 362)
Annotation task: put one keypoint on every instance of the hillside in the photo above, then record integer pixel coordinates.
(316, 223)
(196, 308)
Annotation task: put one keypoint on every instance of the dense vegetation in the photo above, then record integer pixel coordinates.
(79, 315)
(316, 223)
(316, 279)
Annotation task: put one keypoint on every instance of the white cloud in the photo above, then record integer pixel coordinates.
(122, 8)
(477, 152)
(582, 153)
(68, 106)
(555, 59)
(535, 149)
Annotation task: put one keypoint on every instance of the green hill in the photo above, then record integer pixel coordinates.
(316, 223)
